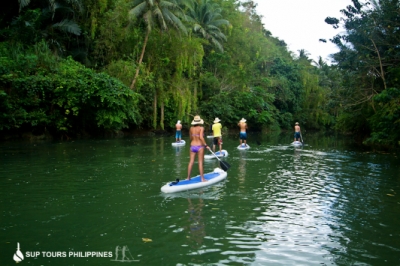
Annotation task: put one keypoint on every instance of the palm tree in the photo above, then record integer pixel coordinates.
(207, 20)
(304, 55)
(163, 13)
(54, 22)
(321, 64)
(53, 4)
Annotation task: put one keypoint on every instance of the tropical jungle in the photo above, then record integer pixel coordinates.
(71, 68)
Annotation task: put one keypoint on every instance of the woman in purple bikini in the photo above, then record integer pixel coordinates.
(197, 146)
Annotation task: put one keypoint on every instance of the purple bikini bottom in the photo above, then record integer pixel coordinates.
(196, 149)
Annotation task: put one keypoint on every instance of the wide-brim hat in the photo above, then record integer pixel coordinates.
(216, 120)
(243, 120)
(179, 121)
(296, 123)
(197, 120)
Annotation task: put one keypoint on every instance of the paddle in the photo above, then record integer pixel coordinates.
(301, 137)
(224, 165)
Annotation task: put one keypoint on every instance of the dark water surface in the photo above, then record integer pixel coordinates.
(329, 203)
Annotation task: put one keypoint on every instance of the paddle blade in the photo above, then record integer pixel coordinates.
(224, 165)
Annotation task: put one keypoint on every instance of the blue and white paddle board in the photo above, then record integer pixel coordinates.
(195, 182)
(218, 154)
(297, 143)
(243, 147)
(179, 143)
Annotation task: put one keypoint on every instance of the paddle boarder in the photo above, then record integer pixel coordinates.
(297, 131)
(242, 135)
(178, 134)
(197, 146)
(217, 128)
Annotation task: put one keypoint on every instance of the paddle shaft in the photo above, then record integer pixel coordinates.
(215, 155)
(225, 164)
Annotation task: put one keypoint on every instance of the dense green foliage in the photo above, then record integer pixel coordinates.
(60, 96)
(369, 63)
(186, 57)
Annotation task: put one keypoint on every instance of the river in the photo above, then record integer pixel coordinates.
(98, 202)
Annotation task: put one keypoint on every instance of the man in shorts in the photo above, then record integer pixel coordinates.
(178, 134)
(297, 130)
(242, 135)
(217, 132)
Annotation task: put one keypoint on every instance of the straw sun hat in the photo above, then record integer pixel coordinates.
(197, 120)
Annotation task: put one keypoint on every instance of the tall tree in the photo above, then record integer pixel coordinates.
(161, 13)
(52, 20)
(207, 21)
(369, 59)
(304, 55)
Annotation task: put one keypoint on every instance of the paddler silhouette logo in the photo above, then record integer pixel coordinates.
(18, 256)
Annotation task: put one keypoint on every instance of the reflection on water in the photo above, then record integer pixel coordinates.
(297, 152)
(179, 160)
(196, 226)
(242, 165)
(324, 204)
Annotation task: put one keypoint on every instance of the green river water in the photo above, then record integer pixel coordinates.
(98, 202)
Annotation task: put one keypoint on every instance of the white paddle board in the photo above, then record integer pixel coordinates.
(179, 143)
(243, 147)
(218, 154)
(297, 143)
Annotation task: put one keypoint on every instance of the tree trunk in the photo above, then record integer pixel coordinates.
(162, 116)
(380, 64)
(140, 59)
(155, 110)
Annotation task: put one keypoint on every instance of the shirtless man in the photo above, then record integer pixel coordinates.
(297, 130)
(243, 135)
(178, 134)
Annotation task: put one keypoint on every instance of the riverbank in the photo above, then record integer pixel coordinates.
(46, 135)
(274, 134)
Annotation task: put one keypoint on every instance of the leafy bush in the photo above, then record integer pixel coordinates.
(63, 96)
(385, 123)
(254, 104)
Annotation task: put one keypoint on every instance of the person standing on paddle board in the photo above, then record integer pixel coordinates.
(178, 134)
(297, 131)
(197, 146)
(217, 128)
(242, 135)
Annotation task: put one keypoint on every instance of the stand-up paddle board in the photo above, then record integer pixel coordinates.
(218, 154)
(243, 147)
(297, 143)
(210, 137)
(195, 182)
(179, 143)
